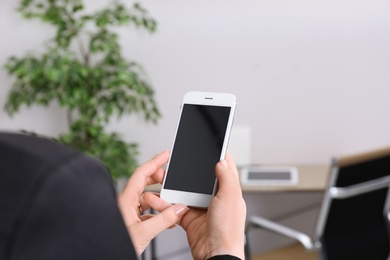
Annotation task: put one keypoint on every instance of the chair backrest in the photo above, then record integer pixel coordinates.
(354, 218)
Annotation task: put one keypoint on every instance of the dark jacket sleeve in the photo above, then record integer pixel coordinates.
(67, 210)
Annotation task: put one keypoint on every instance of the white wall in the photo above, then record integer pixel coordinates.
(312, 78)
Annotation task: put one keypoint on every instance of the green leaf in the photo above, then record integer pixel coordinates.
(95, 83)
(77, 8)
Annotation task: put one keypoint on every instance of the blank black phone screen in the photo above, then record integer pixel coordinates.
(197, 148)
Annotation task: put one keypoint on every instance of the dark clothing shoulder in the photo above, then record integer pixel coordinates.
(57, 203)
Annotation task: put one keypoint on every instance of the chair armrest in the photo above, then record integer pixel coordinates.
(304, 239)
(361, 188)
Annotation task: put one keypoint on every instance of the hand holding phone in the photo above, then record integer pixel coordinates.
(201, 141)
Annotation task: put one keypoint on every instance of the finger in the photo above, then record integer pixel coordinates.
(167, 218)
(227, 175)
(153, 200)
(128, 198)
(148, 216)
(190, 216)
(153, 166)
(231, 163)
(146, 203)
(141, 176)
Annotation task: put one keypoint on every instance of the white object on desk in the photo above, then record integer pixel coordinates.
(269, 175)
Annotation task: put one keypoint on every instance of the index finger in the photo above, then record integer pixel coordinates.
(143, 175)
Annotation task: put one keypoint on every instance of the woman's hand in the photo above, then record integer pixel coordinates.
(132, 202)
(220, 229)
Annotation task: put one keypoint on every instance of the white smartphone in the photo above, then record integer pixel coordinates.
(200, 142)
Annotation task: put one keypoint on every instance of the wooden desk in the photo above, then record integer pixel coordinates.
(310, 178)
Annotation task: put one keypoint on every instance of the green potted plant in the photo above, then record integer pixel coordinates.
(84, 70)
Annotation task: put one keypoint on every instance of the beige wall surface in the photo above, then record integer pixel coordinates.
(312, 78)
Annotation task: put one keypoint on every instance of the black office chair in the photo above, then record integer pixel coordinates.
(355, 214)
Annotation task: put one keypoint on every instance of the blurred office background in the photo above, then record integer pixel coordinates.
(312, 80)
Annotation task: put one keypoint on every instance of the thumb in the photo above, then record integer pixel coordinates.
(228, 180)
(165, 219)
(142, 233)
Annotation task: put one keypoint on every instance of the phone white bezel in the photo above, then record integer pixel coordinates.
(208, 99)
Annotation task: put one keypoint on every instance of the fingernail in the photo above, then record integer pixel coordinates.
(181, 209)
(167, 150)
(224, 163)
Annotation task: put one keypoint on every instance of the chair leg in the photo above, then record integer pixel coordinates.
(246, 244)
(247, 251)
